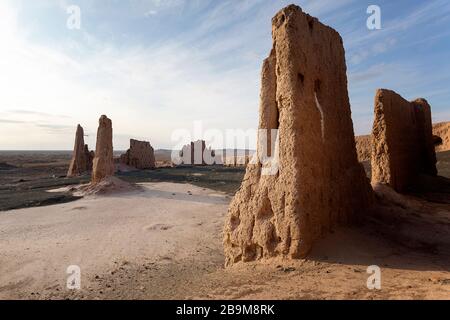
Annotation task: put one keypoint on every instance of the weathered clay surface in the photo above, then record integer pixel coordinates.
(140, 155)
(196, 153)
(320, 182)
(82, 158)
(103, 165)
(402, 140)
(442, 130)
(363, 147)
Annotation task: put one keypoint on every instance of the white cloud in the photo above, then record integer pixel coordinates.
(372, 50)
(147, 92)
(151, 13)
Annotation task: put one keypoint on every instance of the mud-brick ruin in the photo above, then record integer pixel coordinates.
(196, 153)
(319, 182)
(140, 155)
(103, 164)
(402, 140)
(441, 140)
(82, 158)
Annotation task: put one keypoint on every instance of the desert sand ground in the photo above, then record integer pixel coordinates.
(162, 224)
(164, 242)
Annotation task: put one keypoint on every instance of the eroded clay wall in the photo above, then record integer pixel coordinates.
(103, 164)
(402, 143)
(320, 181)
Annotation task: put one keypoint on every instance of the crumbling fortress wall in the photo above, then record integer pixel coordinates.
(140, 155)
(402, 140)
(103, 164)
(320, 181)
(441, 132)
(82, 158)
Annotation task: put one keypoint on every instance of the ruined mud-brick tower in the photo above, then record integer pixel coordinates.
(103, 165)
(81, 159)
(196, 153)
(402, 140)
(141, 155)
(319, 182)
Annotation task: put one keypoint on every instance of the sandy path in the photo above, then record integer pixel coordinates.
(165, 243)
(162, 223)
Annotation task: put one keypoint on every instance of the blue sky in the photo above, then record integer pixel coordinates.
(154, 66)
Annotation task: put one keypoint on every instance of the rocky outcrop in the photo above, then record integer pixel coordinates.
(402, 140)
(140, 155)
(442, 130)
(82, 158)
(103, 164)
(319, 182)
(196, 153)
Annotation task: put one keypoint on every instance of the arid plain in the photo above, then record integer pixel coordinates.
(170, 245)
(312, 213)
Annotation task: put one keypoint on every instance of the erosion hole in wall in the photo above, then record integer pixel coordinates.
(301, 77)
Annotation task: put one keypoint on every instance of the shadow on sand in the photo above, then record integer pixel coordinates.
(410, 231)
